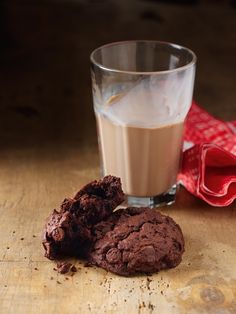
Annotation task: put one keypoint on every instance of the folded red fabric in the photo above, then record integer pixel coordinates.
(209, 158)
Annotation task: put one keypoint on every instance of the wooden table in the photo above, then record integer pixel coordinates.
(34, 180)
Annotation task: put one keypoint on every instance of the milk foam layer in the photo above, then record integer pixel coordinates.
(151, 102)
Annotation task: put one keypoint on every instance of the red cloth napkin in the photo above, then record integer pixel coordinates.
(209, 158)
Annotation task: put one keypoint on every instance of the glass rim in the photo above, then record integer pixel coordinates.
(110, 69)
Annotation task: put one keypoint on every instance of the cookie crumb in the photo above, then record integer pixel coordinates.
(65, 268)
(151, 306)
(87, 264)
(148, 283)
(73, 269)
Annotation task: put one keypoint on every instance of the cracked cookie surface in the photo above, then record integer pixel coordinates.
(68, 230)
(136, 240)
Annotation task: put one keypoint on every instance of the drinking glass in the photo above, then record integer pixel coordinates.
(142, 92)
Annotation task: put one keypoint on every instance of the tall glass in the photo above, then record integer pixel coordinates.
(142, 91)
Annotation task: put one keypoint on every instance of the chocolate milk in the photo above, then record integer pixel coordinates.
(145, 158)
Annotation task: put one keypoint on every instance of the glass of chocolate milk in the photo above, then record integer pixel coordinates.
(142, 92)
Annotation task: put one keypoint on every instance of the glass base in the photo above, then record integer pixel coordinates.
(164, 199)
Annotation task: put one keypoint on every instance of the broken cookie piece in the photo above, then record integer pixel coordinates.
(96, 200)
(68, 231)
(64, 235)
(137, 240)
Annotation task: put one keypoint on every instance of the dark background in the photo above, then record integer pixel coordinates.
(45, 93)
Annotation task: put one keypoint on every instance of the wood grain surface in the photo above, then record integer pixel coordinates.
(34, 181)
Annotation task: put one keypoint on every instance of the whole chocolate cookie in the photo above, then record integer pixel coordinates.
(136, 240)
(68, 230)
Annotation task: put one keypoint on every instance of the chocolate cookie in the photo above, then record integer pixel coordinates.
(137, 240)
(68, 230)
(126, 242)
